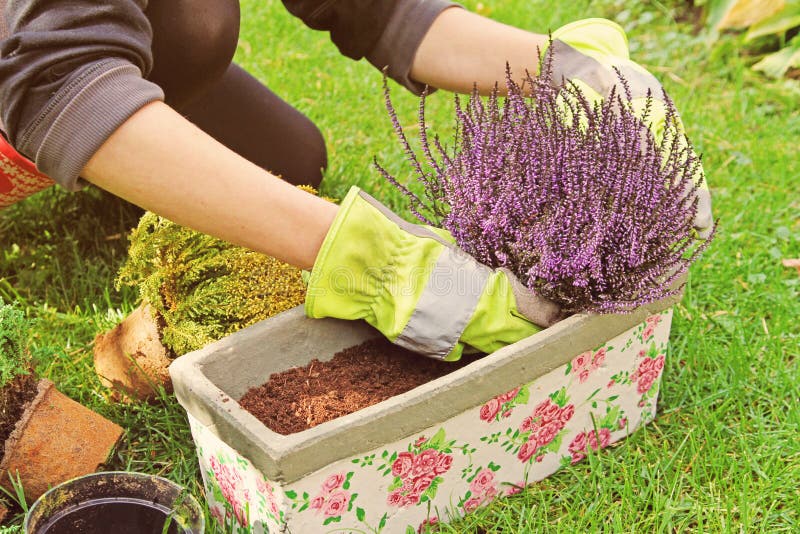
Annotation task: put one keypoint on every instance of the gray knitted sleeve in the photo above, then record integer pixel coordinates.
(70, 74)
(398, 44)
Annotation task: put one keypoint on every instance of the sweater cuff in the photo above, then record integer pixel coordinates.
(82, 115)
(398, 44)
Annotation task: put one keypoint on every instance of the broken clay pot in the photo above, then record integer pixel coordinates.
(130, 357)
(55, 440)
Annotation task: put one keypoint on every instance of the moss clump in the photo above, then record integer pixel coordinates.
(204, 288)
(17, 380)
(15, 331)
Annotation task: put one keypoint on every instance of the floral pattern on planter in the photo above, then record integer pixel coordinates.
(495, 449)
(417, 471)
(238, 496)
(331, 501)
(482, 488)
(501, 406)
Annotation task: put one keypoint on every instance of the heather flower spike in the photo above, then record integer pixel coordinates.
(578, 200)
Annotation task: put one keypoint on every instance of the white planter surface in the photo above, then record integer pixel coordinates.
(433, 453)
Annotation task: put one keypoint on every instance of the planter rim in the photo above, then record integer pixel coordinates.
(188, 499)
(287, 458)
(43, 387)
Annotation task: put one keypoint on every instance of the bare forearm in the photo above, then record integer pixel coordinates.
(163, 163)
(462, 49)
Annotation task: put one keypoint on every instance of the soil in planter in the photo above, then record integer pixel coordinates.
(13, 399)
(357, 377)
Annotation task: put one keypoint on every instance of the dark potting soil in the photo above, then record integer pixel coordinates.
(357, 377)
(13, 398)
(117, 516)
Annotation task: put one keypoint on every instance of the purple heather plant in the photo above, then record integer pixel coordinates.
(578, 200)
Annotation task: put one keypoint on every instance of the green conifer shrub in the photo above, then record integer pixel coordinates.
(204, 288)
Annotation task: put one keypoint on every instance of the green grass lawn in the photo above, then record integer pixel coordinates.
(724, 452)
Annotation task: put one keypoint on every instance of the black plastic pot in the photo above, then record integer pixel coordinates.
(118, 502)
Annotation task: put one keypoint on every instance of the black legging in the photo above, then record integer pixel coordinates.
(193, 45)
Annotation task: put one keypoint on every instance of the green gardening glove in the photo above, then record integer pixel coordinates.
(416, 287)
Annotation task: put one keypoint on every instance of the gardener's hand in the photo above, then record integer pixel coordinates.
(416, 287)
(593, 54)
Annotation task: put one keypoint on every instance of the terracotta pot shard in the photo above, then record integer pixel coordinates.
(3, 513)
(55, 440)
(130, 357)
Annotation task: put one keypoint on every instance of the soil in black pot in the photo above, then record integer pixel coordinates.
(357, 377)
(111, 515)
(13, 399)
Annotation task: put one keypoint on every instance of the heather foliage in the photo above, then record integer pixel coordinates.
(578, 200)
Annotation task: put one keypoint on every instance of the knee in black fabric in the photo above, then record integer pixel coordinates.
(246, 116)
(193, 44)
(312, 165)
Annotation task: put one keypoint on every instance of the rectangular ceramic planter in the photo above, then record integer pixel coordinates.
(435, 452)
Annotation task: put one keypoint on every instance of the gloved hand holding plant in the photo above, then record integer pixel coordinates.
(579, 189)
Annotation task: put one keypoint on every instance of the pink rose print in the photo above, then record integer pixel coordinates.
(577, 446)
(336, 504)
(653, 320)
(542, 427)
(217, 513)
(330, 501)
(443, 464)
(402, 466)
(490, 409)
(566, 414)
(333, 482)
(586, 362)
(515, 489)
(611, 383)
(583, 376)
(645, 382)
(423, 527)
(422, 483)
(425, 462)
(420, 441)
(548, 432)
(415, 473)
(263, 487)
(581, 360)
(647, 333)
(229, 481)
(600, 439)
(395, 498)
(509, 395)
(647, 373)
(527, 424)
(595, 439)
(481, 490)
(526, 450)
(598, 358)
(482, 482)
(623, 422)
(472, 504)
(498, 405)
(546, 410)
